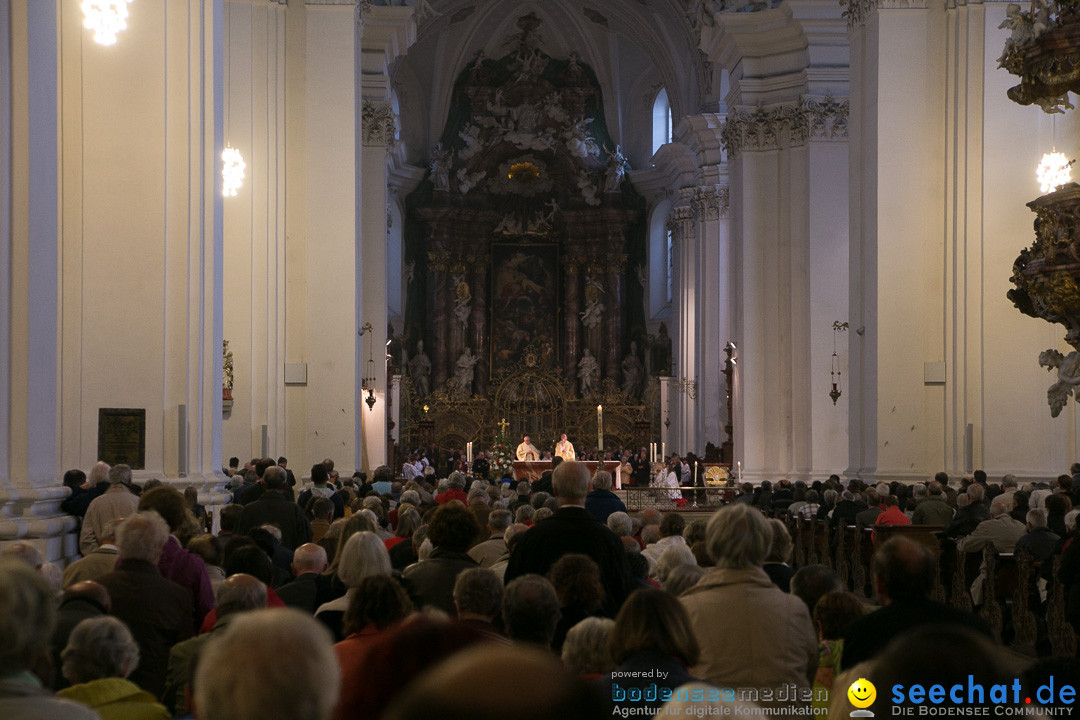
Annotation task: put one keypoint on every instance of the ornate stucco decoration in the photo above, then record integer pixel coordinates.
(711, 202)
(681, 219)
(828, 117)
(378, 123)
(858, 11)
(1043, 50)
(1046, 279)
(765, 128)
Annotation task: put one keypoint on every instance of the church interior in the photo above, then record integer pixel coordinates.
(791, 233)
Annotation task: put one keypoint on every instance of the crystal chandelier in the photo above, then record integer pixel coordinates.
(106, 18)
(1053, 172)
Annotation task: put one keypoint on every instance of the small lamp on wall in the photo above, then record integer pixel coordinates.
(105, 18)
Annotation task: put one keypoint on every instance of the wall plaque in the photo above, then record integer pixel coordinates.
(122, 436)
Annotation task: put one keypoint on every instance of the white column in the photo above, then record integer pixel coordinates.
(675, 404)
(386, 33)
(827, 264)
(713, 300)
(141, 253)
(765, 137)
(332, 346)
(29, 241)
(898, 182)
(255, 267)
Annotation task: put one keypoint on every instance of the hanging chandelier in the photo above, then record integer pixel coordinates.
(232, 162)
(105, 18)
(1053, 172)
(834, 368)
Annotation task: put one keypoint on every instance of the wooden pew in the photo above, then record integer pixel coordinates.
(999, 585)
(795, 527)
(1062, 634)
(1025, 626)
(842, 563)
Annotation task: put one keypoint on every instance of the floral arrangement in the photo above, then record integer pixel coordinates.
(502, 457)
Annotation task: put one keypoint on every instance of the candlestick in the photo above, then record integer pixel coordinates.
(738, 470)
(663, 452)
(468, 452)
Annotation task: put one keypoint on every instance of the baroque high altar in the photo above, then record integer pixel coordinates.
(525, 255)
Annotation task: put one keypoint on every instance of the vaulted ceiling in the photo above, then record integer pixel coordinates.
(635, 47)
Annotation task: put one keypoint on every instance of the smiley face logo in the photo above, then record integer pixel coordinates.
(862, 693)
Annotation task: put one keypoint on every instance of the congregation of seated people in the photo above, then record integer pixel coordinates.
(424, 594)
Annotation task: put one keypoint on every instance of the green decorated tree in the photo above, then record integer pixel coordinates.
(502, 457)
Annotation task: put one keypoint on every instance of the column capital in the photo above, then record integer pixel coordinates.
(765, 128)
(711, 202)
(378, 123)
(858, 12)
(827, 117)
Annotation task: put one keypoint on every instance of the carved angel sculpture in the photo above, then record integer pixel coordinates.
(1068, 372)
(1023, 31)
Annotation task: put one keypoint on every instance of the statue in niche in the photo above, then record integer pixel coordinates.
(594, 309)
(463, 303)
(633, 373)
(394, 350)
(420, 370)
(616, 170)
(588, 372)
(440, 167)
(661, 353)
(465, 370)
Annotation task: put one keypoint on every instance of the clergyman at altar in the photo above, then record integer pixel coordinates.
(527, 451)
(565, 449)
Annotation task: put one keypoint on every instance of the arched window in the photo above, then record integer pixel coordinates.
(661, 120)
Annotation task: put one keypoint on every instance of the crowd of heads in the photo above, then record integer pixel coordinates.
(361, 573)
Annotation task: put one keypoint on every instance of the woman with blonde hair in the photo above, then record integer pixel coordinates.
(363, 555)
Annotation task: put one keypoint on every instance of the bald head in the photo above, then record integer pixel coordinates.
(309, 558)
(571, 482)
(239, 593)
(90, 590)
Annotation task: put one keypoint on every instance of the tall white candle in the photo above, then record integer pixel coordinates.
(600, 431)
